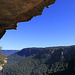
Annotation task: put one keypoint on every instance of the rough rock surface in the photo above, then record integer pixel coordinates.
(13, 11)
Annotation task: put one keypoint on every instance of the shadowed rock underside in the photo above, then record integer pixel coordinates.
(14, 11)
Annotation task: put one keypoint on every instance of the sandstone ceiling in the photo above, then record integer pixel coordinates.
(14, 11)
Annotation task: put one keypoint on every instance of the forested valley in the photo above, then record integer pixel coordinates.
(41, 61)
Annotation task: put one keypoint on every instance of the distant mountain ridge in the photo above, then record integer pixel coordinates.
(29, 51)
(25, 52)
(47, 62)
(9, 52)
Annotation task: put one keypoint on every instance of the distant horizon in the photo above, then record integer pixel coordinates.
(40, 47)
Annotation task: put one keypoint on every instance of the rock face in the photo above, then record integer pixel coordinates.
(1, 67)
(3, 60)
(2, 64)
(13, 11)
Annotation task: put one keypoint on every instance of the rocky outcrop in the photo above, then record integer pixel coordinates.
(3, 60)
(1, 65)
(13, 11)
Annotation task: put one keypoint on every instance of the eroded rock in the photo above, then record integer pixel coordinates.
(13, 11)
(1, 67)
(3, 60)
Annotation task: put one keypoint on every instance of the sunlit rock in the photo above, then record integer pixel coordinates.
(2, 64)
(1, 67)
(5, 60)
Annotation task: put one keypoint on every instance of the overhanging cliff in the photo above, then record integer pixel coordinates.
(14, 11)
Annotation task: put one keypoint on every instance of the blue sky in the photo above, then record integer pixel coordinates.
(55, 27)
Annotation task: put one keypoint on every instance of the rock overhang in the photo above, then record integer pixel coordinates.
(14, 11)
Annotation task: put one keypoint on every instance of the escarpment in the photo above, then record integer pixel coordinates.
(14, 11)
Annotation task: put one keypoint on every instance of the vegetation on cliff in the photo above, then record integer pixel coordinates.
(47, 62)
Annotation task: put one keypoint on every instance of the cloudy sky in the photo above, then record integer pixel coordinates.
(55, 27)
